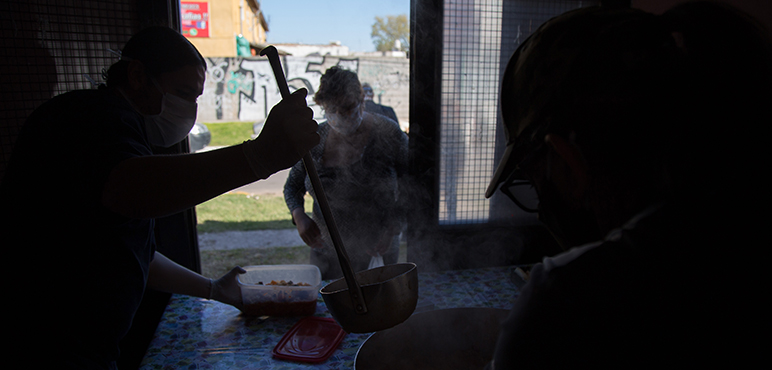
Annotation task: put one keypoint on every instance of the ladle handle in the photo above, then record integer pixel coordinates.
(353, 287)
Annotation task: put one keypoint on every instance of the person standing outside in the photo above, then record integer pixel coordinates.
(362, 164)
(373, 107)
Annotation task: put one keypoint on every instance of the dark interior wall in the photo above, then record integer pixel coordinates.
(47, 48)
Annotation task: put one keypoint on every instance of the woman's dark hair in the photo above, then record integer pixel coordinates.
(160, 49)
(339, 90)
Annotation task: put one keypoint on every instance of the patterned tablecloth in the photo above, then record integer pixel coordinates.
(197, 333)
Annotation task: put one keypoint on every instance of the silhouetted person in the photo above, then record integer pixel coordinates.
(640, 134)
(87, 251)
(362, 164)
(373, 107)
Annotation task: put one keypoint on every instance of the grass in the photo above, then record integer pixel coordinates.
(243, 212)
(229, 133)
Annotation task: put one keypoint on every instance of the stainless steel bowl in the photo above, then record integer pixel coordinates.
(390, 293)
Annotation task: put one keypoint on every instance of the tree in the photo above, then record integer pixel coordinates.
(387, 31)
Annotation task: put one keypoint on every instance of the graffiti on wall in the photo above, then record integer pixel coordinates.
(245, 89)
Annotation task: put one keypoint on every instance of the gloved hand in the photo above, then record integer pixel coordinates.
(288, 134)
(226, 289)
(307, 229)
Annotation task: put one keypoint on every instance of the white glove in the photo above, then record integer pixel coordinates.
(226, 289)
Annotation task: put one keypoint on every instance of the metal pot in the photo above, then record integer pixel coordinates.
(456, 338)
(390, 293)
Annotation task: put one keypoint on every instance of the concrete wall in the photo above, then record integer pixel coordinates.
(244, 89)
(331, 49)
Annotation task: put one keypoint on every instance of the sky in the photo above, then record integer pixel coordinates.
(322, 21)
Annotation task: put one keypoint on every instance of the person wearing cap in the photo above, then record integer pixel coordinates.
(89, 247)
(636, 131)
(375, 108)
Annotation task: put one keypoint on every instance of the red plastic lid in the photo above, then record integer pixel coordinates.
(312, 339)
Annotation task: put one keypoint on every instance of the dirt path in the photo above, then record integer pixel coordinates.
(249, 239)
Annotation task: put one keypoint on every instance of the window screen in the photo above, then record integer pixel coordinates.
(48, 47)
(470, 79)
(478, 38)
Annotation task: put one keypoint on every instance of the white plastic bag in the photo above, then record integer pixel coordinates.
(376, 261)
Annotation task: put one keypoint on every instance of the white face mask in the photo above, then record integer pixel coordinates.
(348, 124)
(177, 118)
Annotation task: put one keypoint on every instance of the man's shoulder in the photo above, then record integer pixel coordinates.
(597, 273)
(607, 300)
(381, 109)
(385, 125)
(389, 110)
(582, 257)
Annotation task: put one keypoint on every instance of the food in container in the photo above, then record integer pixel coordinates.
(264, 294)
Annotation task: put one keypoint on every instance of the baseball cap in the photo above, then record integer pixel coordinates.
(534, 96)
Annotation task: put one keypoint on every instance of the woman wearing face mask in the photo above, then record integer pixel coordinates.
(362, 160)
(95, 239)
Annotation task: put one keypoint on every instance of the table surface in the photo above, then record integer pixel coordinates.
(197, 333)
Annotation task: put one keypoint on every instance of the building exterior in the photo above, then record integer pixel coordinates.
(334, 49)
(224, 28)
(302, 50)
(240, 85)
(245, 89)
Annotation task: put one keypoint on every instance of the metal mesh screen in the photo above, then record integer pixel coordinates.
(48, 47)
(478, 38)
(523, 17)
(470, 79)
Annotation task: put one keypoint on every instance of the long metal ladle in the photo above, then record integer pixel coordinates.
(353, 287)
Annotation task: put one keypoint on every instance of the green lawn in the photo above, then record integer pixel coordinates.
(243, 212)
(229, 133)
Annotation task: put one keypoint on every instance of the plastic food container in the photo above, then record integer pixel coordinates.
(313, 339)
(264, 294)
